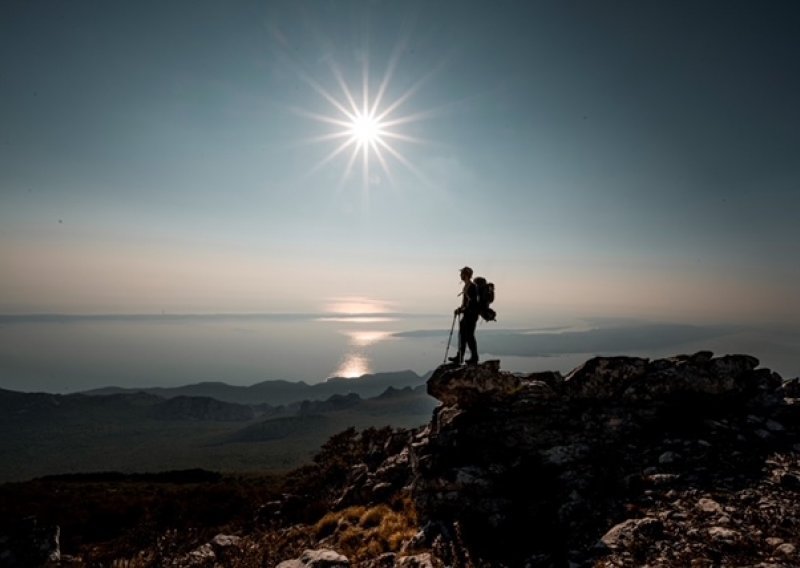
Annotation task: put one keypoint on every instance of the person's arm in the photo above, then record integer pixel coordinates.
(464, 301)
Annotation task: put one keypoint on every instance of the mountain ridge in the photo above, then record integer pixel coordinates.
(134, 431)
(280, 391)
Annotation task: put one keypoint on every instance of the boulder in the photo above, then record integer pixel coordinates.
(217, 551)
(470, 385)
(602, 378)
(319, 558)
(633, 533)
(791, 388)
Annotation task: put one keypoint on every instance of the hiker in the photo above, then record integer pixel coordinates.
(469, 310)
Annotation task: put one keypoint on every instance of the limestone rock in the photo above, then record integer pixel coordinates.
(469, 385)
(709, 506)
(320, 558)
(604, 377)
(791, 388)
(633, 533)
(722, 534)
(215, 552)
(203, 555)
(223, 541)
(730, 375)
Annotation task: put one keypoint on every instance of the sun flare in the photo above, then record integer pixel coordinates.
(366, 130)
(368, 125)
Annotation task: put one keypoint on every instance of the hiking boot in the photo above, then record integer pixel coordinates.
(472, 361)
(455, 359)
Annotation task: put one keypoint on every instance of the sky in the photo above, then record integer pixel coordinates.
(626, 158)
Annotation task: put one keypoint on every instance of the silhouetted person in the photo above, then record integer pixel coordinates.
(469, 310)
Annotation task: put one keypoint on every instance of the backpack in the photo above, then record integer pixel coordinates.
(485, 297)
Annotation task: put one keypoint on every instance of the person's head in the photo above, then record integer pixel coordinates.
(466, 274)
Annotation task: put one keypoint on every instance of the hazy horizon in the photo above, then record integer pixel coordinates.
(65, 354)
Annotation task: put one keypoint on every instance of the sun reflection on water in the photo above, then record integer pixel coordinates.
(356, 362)
(357, 305)
(353, 366)
(356, 319)
(367, 338)
(361, 312)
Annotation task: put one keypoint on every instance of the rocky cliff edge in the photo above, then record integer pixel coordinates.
(624, 461)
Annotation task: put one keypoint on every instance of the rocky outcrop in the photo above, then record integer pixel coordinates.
(474, 386)
(541, 469)
(622, 462)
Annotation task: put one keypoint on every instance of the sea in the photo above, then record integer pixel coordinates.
(67, 354)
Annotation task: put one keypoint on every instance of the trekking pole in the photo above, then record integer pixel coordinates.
(446, 351)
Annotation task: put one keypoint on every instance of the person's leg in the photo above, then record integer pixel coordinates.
(469, 340)
(463, 337)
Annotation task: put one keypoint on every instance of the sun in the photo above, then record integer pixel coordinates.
(367, 130)
(366, 125)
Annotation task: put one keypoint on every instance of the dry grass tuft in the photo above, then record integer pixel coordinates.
(373, 517)
(361, 533)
